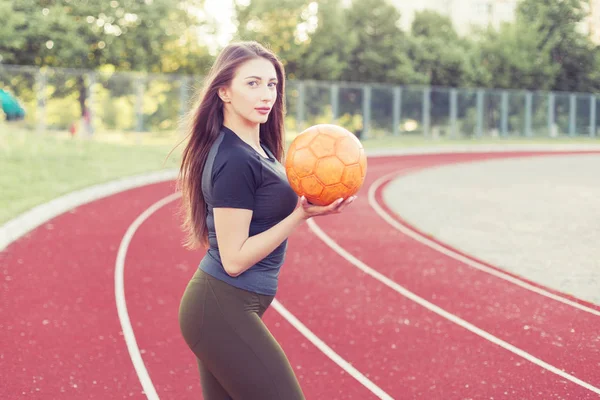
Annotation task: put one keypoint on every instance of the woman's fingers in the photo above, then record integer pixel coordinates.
(346, 203)
(335, 205)
(338, 205)
(334, 208)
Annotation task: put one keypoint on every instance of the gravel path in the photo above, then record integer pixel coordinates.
(537, 217)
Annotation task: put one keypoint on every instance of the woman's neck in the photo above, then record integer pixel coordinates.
(249, 133)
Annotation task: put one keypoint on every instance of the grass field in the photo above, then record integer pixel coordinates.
(36, 169)
(39, 167)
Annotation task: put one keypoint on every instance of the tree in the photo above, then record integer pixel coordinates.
(437, 51)
(132, 35)
(514, 60)
(10, 40)
(380, 53)
(327, 51)
(556, 25)
(277, 25)
(128, 34)
(428, 23)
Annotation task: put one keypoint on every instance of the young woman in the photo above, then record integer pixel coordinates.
(238, 204)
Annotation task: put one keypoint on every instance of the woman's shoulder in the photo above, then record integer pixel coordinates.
(232, 158)
(235, 152)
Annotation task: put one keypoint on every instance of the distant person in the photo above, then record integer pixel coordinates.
(11, 107)
(239, 205)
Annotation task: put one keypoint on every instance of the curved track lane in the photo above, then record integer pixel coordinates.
(556, 333)
(62, 338)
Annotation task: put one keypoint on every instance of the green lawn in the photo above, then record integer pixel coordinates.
(37, 168)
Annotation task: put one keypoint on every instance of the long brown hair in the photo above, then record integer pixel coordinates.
(204, 125)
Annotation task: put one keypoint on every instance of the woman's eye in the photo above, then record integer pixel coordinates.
(273, 84)
(252, 83)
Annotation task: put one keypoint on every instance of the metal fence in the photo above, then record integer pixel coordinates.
(56, 98)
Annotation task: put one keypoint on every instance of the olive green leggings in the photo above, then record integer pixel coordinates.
(237, 356)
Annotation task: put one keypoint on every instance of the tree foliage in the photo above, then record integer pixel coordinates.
(356, 41)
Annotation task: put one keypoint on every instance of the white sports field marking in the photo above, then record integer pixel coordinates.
(430, 243)
(440, 311)
(345, 365)
(17, 227)
(129, 335)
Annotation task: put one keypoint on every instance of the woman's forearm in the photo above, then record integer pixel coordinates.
(257, 247)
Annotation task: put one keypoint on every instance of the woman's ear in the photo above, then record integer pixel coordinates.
(224, 95)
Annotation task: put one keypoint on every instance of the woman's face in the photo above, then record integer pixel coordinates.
(252, 92)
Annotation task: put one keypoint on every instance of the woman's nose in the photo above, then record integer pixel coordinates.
(267, 94)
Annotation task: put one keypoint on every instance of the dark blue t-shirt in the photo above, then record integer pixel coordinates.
(237, 176)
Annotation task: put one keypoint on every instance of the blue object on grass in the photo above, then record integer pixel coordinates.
(11, 106)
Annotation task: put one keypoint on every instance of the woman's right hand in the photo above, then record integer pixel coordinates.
(310, 210)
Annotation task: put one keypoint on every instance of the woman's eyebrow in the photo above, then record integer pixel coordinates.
(259, 78)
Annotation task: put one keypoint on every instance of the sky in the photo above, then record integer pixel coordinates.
(223, 10)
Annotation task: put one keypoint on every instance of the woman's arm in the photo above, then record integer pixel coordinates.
(239, 251)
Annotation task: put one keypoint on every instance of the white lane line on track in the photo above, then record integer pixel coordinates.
(440, 311)
(345, 365)
(459, 257)
(129, 335)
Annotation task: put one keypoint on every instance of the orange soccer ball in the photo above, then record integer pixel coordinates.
(324, 163)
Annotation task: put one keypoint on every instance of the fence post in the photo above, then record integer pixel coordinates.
(300, 107)
(183, 95)
(504, 114)
(426, 110)
(551, 114)
(90, 111)
(453, 111)
(528, 98)
(572, 112)
(366, 111)
(397, 110)
(41, 80)
(335, 101)
(479, 124)
(183, 101)
(139, 106)
(592, 115)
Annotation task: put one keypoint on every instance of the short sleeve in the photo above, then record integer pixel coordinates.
(234, 183)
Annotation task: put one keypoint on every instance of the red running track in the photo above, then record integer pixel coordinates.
(61, 337)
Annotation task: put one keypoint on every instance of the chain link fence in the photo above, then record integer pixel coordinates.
(97, 102)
